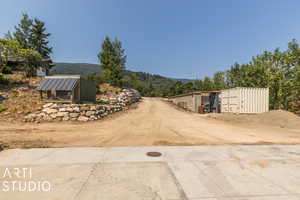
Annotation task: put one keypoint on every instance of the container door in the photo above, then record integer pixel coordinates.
(225, 101)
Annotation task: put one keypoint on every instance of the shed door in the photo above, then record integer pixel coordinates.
(87, 90)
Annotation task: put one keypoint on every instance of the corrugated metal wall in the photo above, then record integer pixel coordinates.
(186, 102)
(87, 90)
(198, 102)
(245, 100)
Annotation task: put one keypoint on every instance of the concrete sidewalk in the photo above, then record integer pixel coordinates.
(195, 173)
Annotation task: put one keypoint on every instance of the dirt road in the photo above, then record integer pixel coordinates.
(154, 122)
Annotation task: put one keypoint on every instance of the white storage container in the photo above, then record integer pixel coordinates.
(245, 100)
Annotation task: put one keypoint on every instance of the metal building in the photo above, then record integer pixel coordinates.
(245, 100)
(68, 89)
(200, 101)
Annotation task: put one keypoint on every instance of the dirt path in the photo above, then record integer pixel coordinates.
(154, 122)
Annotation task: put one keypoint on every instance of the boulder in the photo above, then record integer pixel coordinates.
(31, 116)
(73, 115)
(47, 105)
(93, 117)
(54, 105)
(41, 115)
(49, 110)
(84, 108)
(93, 108)
(69, 109)
(90, 113)
(66, 118)
(76, 109)
(62, 109)
(53, 116)
(47, 118)
(62, 114)
(82, 118)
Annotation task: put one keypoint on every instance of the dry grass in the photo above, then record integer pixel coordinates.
(107, 88)
(19, 99)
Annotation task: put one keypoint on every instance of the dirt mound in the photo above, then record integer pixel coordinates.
(275, 118)
(281, 118)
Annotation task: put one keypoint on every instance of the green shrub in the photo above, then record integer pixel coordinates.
(6, 70)
(102, 102)
(3, 80)
(15, 92)
(3, 146)
(2, 108)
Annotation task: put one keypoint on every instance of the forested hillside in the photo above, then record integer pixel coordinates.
(148, 84)
(75, 68)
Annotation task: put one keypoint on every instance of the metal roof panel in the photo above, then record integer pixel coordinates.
(66, 84)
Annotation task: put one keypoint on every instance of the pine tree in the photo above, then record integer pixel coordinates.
(23, 32)
(31, 34)
(39, 38)
(112, 59)
(8, 36)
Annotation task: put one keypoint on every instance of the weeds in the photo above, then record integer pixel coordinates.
(2, 108)
(14, 92)
(3, 146)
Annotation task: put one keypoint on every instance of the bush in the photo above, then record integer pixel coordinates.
(2, 108)
(99, 79)
(6, 70)
(3, 80)
(15, 92)
(3, 146)
(102, 102)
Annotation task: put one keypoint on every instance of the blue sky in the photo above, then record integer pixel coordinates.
(174, 38)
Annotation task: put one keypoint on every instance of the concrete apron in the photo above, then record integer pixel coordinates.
(202, 172)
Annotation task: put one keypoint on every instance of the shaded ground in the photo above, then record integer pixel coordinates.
(243, 172)
(153, 122)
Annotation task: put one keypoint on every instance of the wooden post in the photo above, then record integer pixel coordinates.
(72, 96)
(79, 91)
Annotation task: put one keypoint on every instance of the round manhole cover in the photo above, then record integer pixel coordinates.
(154, 154)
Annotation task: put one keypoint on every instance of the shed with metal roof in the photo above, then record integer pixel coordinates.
(71, 88)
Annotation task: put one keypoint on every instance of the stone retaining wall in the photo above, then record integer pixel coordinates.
(128, 96)
(71, 112)
(83, 112)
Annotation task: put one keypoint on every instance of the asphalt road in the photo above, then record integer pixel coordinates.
(195, 173)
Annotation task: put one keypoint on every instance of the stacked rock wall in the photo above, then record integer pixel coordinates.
(83, 112)
(128, 96)
(71, 112)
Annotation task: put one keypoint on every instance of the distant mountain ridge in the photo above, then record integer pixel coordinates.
(88, 68)
(75, 68)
